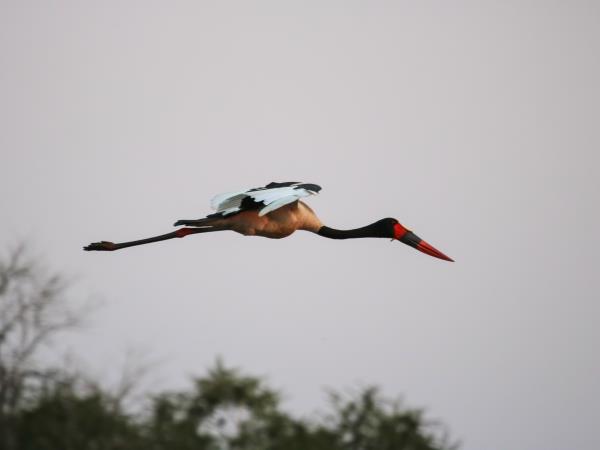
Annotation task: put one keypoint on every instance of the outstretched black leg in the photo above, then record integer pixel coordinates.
(182, 232)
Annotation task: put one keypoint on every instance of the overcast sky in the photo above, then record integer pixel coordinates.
(476, 124)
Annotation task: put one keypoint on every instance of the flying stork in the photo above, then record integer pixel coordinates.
(275, 211)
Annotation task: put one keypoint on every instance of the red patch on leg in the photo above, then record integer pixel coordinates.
(183, 232)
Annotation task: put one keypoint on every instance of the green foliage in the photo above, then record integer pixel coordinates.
(63, 417)
(224, 410)
(369, 422)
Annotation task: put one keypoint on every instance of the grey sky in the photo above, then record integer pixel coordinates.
(474, 123)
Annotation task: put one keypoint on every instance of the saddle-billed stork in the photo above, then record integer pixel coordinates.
(275, 211)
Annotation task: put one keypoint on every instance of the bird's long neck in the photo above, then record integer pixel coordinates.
(370, 231)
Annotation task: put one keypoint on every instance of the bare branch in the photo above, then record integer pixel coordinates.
(33, 309)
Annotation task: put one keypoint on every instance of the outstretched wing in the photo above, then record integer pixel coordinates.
(265, 199)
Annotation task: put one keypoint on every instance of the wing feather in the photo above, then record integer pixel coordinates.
(218, 200)
(266, 199)
(278, 204)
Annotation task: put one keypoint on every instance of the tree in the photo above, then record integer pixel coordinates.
(33, 309)
(70, 414)
(229, 411)
(223, 410)
(368, 421)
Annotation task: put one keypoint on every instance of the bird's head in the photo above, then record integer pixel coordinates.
(391, 228)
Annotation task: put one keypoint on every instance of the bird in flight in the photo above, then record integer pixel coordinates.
(276, 211)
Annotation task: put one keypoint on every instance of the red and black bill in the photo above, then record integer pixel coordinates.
(410, 238)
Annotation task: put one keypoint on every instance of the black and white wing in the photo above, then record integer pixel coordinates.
(265, 199)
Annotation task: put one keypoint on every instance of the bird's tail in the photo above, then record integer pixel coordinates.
(206, 222)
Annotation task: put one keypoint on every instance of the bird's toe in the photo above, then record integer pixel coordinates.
(100, 246)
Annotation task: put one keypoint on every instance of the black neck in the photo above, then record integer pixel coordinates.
(370, 231)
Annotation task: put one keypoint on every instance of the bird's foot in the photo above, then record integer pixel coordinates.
(101, 246)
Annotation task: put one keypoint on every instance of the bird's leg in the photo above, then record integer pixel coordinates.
(182, 232)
